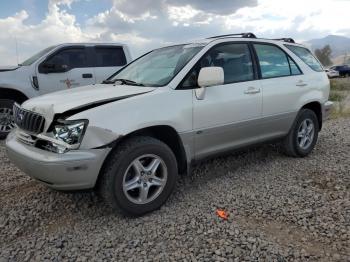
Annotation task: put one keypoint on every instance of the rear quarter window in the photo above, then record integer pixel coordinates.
(306, 56)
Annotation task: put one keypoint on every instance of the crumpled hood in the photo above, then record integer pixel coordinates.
(81, 97)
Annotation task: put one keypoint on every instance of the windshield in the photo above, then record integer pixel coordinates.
(35, 57)
(160, 66)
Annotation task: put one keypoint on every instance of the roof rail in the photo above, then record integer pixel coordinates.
(288, 40)
(243, 35)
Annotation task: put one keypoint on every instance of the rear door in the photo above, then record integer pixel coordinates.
(282, 84)
(228, 114)
(108, 60)
(67, 68)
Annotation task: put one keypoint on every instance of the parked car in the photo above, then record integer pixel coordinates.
(130, 137)
(56, 68)
(331, 73)
(343, 70)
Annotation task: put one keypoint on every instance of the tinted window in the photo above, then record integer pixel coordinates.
(273, 61)
(72, 58)
(307, 57)
(293, 67)
(235, 60)
(110, 56)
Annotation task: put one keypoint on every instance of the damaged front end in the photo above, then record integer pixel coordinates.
(46, 124)
(61, 135)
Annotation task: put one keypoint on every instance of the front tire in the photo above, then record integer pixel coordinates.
(6, 117)
(139, 176)
(303, 135)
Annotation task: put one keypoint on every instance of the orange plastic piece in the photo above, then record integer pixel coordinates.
(221, 213)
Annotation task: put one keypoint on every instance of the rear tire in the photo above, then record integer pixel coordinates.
(303, 135)
(138, 176)
(6, 117)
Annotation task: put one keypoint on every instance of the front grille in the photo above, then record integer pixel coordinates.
(27, 120)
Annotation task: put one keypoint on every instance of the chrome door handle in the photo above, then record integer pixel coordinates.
(252, 90)
(301, 83)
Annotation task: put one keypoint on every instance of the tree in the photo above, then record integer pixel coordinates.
(324, 55)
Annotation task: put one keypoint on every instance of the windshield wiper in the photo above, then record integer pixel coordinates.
(123, 82)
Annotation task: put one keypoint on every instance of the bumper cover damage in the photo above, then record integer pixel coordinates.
(73, 170)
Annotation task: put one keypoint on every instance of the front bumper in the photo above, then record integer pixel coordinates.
(73, 170)
(326, 110)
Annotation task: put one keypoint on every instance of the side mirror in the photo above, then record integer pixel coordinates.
(210, 76)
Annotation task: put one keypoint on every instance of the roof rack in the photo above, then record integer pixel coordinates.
(288, 40)
(243, 35)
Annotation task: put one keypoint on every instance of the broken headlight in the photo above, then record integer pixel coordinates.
(70, 132)
(65, 136)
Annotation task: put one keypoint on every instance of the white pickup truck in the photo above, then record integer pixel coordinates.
(57, 68)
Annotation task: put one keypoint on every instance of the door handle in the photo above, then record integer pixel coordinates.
(252, 90)
(87, 75)
(301, 83)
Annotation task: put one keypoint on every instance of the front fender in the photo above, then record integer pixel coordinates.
(19, 83)
(96, 137)
(110, 121)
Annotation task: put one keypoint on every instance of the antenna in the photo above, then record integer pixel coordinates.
(16, 49)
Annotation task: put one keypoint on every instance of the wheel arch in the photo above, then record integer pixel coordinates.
(316, 107)
(8, 93)
(164, 133)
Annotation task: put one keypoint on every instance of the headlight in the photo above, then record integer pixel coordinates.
(65, 136)
(70, 132)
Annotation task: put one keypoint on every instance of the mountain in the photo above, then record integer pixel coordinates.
(340, 45)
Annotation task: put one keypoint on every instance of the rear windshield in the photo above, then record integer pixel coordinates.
(306, 55)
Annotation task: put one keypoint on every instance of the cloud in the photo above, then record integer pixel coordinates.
(136, 7)
(149, 24)
(57, 27)
(219, 7)
(53, 3)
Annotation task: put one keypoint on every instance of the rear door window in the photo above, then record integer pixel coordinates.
(307, 57)
(109, 56)
(293, 67)
(272, 60)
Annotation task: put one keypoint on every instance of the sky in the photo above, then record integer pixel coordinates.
(148, 24)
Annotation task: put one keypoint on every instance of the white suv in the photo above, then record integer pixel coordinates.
(56, 68)
(131, 136)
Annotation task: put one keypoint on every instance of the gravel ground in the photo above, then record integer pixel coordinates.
(280, 209)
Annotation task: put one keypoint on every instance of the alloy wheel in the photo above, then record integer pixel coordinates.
(144, 179)
(306, 132)
(6, 120)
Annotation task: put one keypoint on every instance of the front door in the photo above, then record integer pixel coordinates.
(65, 69)
(225, 118)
